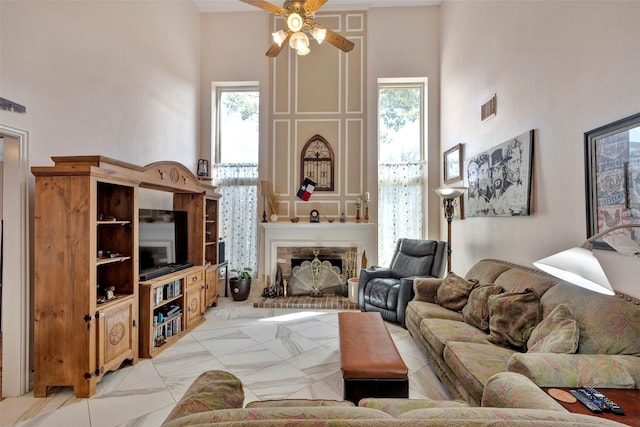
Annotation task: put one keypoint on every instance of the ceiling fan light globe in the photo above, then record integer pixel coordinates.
(295, 22)
(299, 41)
(319, 34)
(304, 50)
(279, 37)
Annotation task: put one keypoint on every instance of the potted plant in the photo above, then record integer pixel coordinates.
(240, 284)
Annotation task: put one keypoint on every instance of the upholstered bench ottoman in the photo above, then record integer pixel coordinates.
(370, 362)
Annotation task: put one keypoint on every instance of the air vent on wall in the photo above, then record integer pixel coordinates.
(488, 109)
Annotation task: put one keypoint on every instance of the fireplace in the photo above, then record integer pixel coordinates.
(337, 264)
(283, 240)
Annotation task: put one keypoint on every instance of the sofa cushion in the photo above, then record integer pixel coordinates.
(512, 317)
(473, 364)
(608, 325)
(557, 333)
(284, 403)
(439, 332)
(425, 288)
(502, 417)
(397, 406)
(454, 291)
(426, 310)
(488, 270)
(523, 278)
(574, 370)
(513, 390)
(476, 312)
(294, 413)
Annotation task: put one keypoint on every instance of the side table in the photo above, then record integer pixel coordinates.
(627, 399)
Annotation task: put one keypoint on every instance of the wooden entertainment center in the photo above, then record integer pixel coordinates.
(91, 311)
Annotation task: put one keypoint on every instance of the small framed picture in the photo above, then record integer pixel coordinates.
(203, 167)
(453, 164)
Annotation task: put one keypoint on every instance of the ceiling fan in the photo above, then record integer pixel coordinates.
(299, 17)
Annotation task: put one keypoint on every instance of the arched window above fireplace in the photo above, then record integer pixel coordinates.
(317, 163)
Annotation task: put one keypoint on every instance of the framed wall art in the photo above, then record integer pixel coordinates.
(612, 169)
(453, 164)
(499, 179)
(203, 167)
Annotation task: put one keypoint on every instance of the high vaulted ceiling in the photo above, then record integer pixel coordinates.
(238, 6)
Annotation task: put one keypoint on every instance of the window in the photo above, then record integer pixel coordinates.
(235, 170)
(401, 164)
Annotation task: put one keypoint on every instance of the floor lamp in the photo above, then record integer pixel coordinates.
(449, 196)
(580, 267)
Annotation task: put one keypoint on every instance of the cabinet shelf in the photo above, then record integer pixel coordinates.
(167, 301)
(164, 322)
(113, 301)
(121, 222)
(103, 261)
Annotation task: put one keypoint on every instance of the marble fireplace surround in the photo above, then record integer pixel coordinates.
(345, 236)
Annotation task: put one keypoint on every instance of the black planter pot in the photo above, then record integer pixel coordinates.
(240, 288)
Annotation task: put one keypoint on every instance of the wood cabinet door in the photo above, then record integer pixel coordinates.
(193, 301)
(116, 335)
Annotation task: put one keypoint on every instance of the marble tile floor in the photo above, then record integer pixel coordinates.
(277, 353)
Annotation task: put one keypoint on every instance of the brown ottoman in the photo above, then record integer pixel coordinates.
(370, 363)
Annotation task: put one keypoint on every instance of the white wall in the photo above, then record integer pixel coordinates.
(404, 42)
(233, 47)
(103, 77)
(561, 68)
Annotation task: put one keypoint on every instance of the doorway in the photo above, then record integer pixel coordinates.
(14, 311)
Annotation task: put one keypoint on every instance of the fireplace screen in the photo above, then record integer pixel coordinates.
(312, 277)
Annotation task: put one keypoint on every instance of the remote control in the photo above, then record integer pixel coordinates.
(584, 398)
(606, 404)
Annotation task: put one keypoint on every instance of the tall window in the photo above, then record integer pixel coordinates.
(235, 170)
(401, 165)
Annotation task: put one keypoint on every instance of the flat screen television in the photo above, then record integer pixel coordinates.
(162, 241)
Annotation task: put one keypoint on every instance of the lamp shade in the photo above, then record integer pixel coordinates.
(279, 37)
(299, 41)
(577, 266)
(450, 192)
(318, 33)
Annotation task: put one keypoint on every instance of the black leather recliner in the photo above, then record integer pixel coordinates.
(389, 290)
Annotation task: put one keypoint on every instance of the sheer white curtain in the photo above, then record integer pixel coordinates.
(238, 185)
(400, 205)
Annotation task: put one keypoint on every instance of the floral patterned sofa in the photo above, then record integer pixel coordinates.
(503, 317)
(510, 399)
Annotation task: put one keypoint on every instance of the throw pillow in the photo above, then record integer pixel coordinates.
(454, 291)
(512, 317)
(476, 312)
(557, 333)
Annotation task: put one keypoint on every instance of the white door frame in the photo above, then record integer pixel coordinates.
(16, 320)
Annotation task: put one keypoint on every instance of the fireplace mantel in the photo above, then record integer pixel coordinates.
(287, 234)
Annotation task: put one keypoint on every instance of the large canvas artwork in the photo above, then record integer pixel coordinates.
(499, 179)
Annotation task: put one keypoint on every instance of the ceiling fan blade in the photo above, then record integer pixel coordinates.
(312, 5)
(274, 50)
(265, 5)
(337, 40)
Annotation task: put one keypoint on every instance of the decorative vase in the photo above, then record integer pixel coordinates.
(273, 217)
(240, 288)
